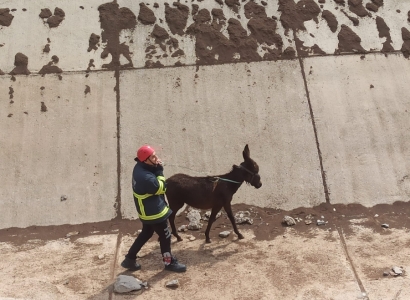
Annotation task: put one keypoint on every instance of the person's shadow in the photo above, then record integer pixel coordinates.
(202, 256)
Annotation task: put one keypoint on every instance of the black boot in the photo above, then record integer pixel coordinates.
(175, 266)
(130, 264)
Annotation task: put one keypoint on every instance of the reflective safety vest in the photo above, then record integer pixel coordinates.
(145, 206)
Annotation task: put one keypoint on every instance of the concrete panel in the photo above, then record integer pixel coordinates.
(28, 34)
(69, 41)
(200, 119)
(362, 111)
(57, 140)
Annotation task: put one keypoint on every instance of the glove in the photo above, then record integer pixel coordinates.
(159, 170)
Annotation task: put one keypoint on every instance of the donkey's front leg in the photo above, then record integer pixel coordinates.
(228, 211)
(215, 211)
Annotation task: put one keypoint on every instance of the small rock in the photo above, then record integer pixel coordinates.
(244, 220)
(309, 217)
(397, 270)
(376, 215)
(320, 222)
(72, 233)
(288, 220)
(242, 214)
(191, 238)
(194, 226)
(207, 214)
(298, 219)
(63, 198)
(386, 273)
(125, 284)
(334, 209)
(308, 222)
(385, 225)
(101, 256)
(173, 283)
(194, 218)
(224, 234)
(242, 217)
(183, 228)
(66, 282)
(194, 215)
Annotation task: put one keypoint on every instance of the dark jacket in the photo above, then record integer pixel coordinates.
(148, 184)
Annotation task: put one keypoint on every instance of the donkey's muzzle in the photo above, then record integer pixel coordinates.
(258, 185)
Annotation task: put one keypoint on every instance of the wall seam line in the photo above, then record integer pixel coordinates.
(312, 117)
(118, 117)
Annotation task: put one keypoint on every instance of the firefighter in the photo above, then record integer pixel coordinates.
(149, 186)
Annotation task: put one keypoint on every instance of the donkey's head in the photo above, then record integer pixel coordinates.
(250, 169)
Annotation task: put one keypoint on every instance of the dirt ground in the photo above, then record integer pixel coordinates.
(343, 259)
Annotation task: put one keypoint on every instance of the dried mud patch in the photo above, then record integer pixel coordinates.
(267, 223)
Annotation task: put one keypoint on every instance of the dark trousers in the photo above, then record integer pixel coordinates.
(147, 231)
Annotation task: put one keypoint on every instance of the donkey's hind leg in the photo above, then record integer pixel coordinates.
(228, 210)
(215, 211)
(175, 209)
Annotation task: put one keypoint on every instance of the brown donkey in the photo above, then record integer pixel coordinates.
(211, 192)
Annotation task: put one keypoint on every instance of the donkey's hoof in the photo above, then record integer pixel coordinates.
(240, 237)
(179, 239)
(208, 241)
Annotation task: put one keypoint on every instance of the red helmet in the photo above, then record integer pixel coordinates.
(144, 152)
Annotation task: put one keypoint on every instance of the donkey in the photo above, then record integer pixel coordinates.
(211, 192)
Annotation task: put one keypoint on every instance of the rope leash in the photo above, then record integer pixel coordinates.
(225, 179)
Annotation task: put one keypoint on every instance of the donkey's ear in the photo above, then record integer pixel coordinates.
(246, 153)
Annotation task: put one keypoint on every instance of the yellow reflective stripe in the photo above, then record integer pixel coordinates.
(161, 178)
(161, 188)
(141, 205)
(142, 197)
(157, 216)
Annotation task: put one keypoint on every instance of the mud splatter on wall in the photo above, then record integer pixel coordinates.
(113, 20)
(384, 32)
(5, 17)
(20, 63)
(51, 67)
(176, 18)
(330, 19)
(406, 42)
(223, 31)
(349, 41)
(93, 42)
(53, 20)
(146, 15)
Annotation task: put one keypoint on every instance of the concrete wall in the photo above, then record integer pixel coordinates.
(57, 141)
(325, 123)
(201, 121)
